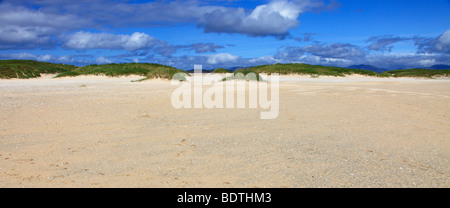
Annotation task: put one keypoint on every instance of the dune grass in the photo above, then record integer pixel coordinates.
(302, 69)
(25, 69)
(148, 70)
(68, 74)
(306, 69)
(428, 73)
(221, 71)
(318, 70)
(30, 69)
(165, 72)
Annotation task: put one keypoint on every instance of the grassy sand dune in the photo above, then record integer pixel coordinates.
(25, 69)
(142, 69)
(32, 69)
(221, 71)
(306, 69)
(418, 73)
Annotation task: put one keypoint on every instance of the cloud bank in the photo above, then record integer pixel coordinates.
(440, 44)
(87, 40)
(21, 27)
(275, 18)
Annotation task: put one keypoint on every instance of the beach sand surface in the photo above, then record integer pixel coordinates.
(95, 131)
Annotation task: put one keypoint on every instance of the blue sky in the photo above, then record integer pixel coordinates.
(227, 33)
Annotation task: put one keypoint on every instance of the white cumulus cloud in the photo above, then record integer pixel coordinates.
(273, 19)
(88, 40)
(443, 42)
(22, 27)
(222, 58)
(102, 60)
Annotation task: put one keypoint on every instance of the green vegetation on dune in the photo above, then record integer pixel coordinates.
(114, 70)
(429, 73)
(142, 69)
(68, 74)
(25, 69)
(307, 70)
(221, 70)
(318, 70)
(31, 69)
(165, 72)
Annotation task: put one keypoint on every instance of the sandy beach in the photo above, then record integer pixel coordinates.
(94, 131)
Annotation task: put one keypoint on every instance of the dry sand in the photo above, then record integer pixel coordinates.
(330, 132)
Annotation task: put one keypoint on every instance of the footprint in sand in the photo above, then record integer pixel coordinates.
(183, 144)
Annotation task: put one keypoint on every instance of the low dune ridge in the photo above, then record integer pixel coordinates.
(99, 131)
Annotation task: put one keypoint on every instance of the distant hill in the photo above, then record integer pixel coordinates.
(25, 69)
(439, 67)
(367, 67)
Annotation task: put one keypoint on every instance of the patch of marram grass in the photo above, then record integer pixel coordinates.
(150, 71)
(25, 69)
(428, 73)
(167, 73)
(68, 74)
(306, 69)
(221, 71)
(317, 70)
(30, 69)
(302, 69)
(115, 70)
